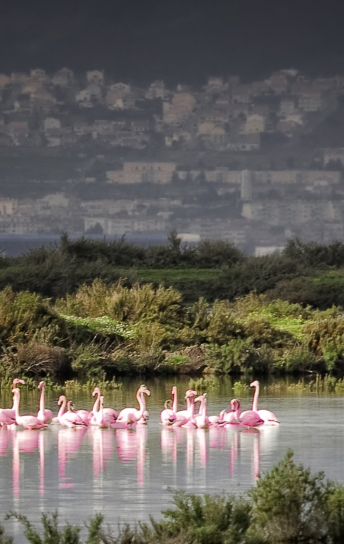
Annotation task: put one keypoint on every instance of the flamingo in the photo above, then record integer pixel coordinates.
(98, 418)
(43, 415)
(168, 416)
(245, 419)
(201, 420)
(130, 416)
(268, 417)
(7, 415)
(189, 421)
(69, 418)
(182, 415)
(27, 421)
(109, 414)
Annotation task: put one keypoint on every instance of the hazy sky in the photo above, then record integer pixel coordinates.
(178, 40)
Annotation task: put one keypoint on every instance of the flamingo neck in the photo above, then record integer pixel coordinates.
(191, 407)
(204, 407)
(16, 400)
(255, 398)
(142, 403)
(175, 400)
(95, 408)
(62, 407)
(41, 400)
(101, 408)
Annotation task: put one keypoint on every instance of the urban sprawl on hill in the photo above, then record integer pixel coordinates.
(255, 163)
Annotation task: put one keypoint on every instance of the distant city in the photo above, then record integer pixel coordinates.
(255, 163)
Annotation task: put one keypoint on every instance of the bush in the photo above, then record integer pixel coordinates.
(290, 505)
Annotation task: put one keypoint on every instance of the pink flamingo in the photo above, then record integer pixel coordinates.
(109, 414)
(183, 416)
(189, 421)
(201, 420)
(43, 415)
(69, 418)
(168, 416)
(268, 417)
(27, 421)
(245, 419)
(130, 416)
(98, 417)
(7, 415)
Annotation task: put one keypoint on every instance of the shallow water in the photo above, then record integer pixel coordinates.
(127, 475)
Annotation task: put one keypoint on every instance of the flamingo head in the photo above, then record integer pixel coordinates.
(201, 397)
(143, 389)
(190, 394)
(235, 405)
(101, 400)
(254, 384)
(96, 391)
(16, 381)
(41, 385)
(174, 390)
(61, 399)
(168, 404)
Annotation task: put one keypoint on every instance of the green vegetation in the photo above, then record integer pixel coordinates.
(288, 505)
(104, 330)
(92, 310)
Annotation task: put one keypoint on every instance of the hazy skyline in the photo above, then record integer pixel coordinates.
(183, 40)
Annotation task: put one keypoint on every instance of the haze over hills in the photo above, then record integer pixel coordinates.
(179, 41)
(218, 120)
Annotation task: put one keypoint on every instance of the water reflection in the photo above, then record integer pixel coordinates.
(199, 442)
(5, 436)
(131, 445)
(103, 448)
(68, 443)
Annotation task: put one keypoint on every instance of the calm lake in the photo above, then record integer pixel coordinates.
(127, 475)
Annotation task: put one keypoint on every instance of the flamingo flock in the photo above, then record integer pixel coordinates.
(129, 418)
(234, 418)
(99, 416)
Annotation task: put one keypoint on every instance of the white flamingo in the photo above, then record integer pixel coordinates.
(44, 415)
(69, 418)
(27, 421)
(130, 416)
(109, 414)
(267, 416)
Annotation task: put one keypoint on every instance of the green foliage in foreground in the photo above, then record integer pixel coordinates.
(288, 505)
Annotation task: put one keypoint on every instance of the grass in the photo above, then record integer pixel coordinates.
(285, 323)
(103, 324)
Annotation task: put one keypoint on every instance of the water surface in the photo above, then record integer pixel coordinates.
(128, 475)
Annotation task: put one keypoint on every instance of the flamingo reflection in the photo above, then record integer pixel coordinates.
(25, 442)
(41, 444)
(103, 446)
(68, 442)
(169, 440)
(202, 446)
(217, 437)
(131, 445)
(5, 437)
(236, 446)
